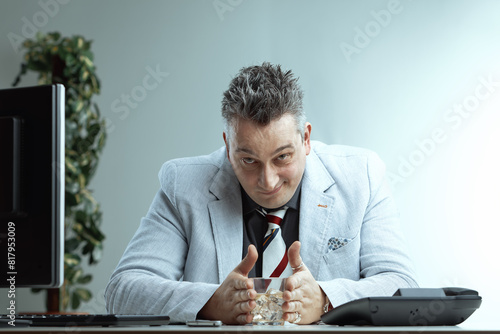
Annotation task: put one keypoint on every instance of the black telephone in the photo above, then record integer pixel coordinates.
(408, 307)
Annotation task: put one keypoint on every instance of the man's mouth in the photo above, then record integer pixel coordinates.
(274, 191)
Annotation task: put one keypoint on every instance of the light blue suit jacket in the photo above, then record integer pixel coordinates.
(192, 236)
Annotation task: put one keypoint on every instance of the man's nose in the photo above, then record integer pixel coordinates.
(268, 177)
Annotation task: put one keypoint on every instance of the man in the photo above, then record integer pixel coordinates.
(340, 224)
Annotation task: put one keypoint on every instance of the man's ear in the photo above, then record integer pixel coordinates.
(226, 141)
(307, 137)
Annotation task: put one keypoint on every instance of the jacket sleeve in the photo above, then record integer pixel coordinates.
(149, 278)
(384, 265)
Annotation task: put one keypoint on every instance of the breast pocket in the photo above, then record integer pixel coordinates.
(342, 258)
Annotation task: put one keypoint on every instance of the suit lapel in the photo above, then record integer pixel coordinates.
(315, 212)
(226, 219)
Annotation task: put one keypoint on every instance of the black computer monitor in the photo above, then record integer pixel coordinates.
(32, 123)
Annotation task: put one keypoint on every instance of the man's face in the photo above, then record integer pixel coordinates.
(269, 160)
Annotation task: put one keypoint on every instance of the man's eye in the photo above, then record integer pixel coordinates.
(283, 156)
(248, 161)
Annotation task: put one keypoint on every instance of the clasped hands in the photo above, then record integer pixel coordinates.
(233, 301)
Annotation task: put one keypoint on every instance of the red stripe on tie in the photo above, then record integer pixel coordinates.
(281, 267)
(273, 219)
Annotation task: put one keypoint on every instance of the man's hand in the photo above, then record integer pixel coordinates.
(302, 292)
(234, 299)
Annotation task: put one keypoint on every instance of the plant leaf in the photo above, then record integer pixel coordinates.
(85, 137)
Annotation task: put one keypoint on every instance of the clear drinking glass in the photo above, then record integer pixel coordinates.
(269, 300)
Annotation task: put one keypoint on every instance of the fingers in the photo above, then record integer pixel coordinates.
(293, 317)
(248, 262)
(244, 301)
(243, 309)
(299, 270)
(240, 283)
(243, 319)
(293, 282)
(244, 306)
(292, 306)
(244, 295)
(303, 296)
(294, 293)
(234, 299)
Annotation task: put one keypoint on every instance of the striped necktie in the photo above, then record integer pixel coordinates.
(274, 252)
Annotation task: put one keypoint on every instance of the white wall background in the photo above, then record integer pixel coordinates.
(421, 88)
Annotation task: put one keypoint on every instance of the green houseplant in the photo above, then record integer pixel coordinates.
(69, 61)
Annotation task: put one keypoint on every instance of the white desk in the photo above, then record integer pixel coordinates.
(252, 329)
